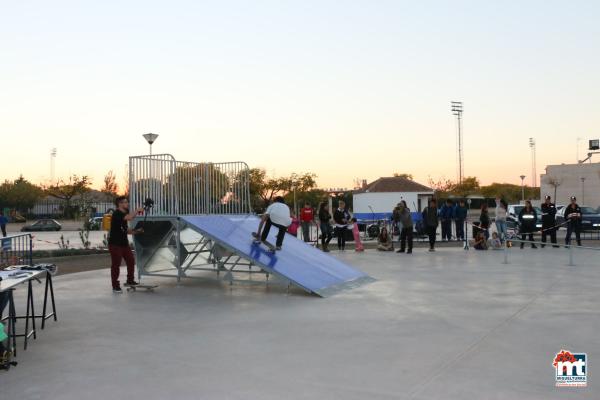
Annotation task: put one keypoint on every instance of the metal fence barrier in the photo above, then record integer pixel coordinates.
(570, 248)
(16, 250)
(187, 188)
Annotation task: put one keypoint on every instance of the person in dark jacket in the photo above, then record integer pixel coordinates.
(484, 221)
(406, 235)
(446, 219)
(341, 217)
(459, 214)
(430, 219)
(324, 218)
(548, 221)
(573, 215)
(527, 220)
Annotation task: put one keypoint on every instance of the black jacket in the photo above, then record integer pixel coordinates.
(571, 212)
(341, 217)
(484, 219)
(527, 219)
(324, 216)
(430, 216)
(548, 215)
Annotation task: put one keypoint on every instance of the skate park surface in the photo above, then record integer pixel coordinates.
(444, 325)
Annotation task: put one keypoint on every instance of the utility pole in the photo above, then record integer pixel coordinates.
(583, 190)
(52, 164)
(457, 109)
(533, 163)
(522, 187)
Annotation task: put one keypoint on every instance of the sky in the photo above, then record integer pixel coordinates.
(347, 90)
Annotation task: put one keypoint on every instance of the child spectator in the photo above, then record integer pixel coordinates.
(293, 228)
(495, 243)
(358, 246)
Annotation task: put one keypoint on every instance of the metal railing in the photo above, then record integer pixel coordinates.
(184, 188)
(570, 248)
(16, 250)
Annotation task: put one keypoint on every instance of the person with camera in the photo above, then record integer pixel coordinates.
(118, 243)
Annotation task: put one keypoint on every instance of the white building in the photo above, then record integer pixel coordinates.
(579, 180)
(377, 199)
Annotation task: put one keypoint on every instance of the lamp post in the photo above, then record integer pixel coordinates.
(150, 138)
(582, 190)
(522, 187)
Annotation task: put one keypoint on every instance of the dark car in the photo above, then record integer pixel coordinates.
(512, 217)
(590, 218)
(42, 225)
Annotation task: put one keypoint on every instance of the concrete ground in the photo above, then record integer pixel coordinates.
(444, 325)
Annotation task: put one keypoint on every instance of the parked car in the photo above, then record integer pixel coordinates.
(512, 217)
(590, 218)
(42, 225)
(95, 223)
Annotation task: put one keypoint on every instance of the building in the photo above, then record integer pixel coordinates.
(579, 180)
(377, 199)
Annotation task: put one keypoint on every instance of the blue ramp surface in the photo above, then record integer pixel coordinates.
(298, 262)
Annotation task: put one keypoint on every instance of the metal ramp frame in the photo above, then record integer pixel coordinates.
(181, 247)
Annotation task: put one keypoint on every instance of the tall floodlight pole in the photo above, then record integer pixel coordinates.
(52, 164)
(533, 163)
(522, 187)
(457, 109)
(150, 138)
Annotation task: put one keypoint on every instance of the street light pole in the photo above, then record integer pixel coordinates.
(457, 109)
(582, 190)
(522, 187)
(150, 138)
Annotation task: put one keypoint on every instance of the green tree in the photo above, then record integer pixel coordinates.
(263, 188)
(66, 190)
(19, 194)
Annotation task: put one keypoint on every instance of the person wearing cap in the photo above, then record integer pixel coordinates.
(527, 219)
(548, 221)
(573, 216)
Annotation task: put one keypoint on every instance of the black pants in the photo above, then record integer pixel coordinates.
(280, 234)
(570, 229)
(3, 227)
(340, 231)
(524, 238)
(325, 234)
(460, 229)
(549, 231)
(431, 231)
(446, 229)
(406, 235)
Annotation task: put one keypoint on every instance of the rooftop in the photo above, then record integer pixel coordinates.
(450, 324)
(395, 184)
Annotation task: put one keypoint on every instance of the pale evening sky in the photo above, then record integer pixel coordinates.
(355, 89)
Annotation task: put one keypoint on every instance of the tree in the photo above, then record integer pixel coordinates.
(19, 194)
(406, 176)
(469, 185)
(75, 186)
(263, 189)
(110, 184)
(555, 183)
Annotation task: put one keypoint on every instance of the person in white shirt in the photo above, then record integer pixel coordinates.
(277, 214)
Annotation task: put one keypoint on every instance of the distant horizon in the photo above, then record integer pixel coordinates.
(353, 92)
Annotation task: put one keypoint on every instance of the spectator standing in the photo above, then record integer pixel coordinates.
(500, 219)
(307, 217)
(459, 214)
(341, 217)
(358, 246)
(484, 221)
(325, 226)
(430, 220)
(294, 225)
(3, 222)
(548, 221)
(446, 217)
(527, 219)
(406, 234)
(573, 215)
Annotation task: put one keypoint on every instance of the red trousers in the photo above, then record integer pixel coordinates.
(117, 254)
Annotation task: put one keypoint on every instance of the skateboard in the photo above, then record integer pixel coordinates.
(269, 245)
(148, 288)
